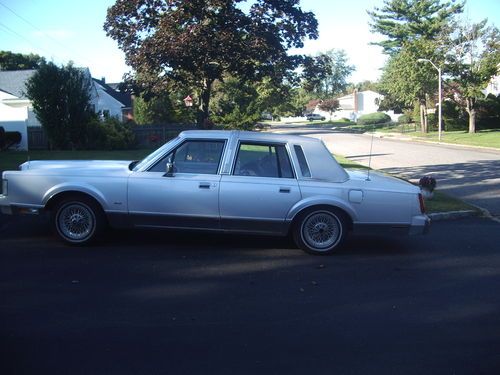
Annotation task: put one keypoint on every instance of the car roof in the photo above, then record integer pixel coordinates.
(248, 135)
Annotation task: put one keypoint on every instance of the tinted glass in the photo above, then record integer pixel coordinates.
(262, 161)
(197, 157)
(304, 168)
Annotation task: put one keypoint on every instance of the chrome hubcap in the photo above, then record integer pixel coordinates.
(321, 230)
(76, 222)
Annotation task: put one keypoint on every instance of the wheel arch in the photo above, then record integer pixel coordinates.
(51, 200)
(320, 202)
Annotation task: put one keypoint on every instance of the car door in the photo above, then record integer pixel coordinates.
(186, 198)
(260, 190)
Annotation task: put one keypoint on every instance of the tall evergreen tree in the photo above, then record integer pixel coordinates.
(408, 20)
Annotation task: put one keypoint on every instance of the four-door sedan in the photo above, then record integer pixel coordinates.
(230, 181)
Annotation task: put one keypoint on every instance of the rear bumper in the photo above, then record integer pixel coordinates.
(420, 225)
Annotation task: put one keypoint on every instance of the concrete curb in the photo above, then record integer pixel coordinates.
(452, 215)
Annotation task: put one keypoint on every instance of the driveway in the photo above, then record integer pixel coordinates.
(169, 303)
(470, 174)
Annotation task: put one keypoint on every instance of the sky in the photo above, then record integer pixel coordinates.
(64, 31)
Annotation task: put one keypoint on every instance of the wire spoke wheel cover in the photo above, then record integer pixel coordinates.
(76, 222)
(321, 230)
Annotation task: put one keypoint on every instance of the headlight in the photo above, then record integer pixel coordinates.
(4, 187)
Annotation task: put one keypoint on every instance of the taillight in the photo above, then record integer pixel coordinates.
(422, 203)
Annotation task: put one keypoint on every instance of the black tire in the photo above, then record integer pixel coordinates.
(78, 220)
(320, 230)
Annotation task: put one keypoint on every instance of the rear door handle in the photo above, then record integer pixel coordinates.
(284, 189)
(204, 185)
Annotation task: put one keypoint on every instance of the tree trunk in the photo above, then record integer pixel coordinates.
(423, 118)
(472, 115)
(204, 102)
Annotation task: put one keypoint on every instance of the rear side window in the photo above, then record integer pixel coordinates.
(304, 168)
(263, 160)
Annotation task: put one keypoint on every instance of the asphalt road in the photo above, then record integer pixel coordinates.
(470, 174)
(169, 303)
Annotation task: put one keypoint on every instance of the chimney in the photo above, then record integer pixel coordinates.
(103, 79)
(355, 94)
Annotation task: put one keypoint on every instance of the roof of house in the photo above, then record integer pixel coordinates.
(14, 81)
(123, 97)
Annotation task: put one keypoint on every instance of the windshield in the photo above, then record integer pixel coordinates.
(153, 155)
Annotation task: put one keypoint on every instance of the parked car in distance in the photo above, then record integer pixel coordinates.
(229, 181)
(315, 117)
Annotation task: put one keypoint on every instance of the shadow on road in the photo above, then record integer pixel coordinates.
(477, 182)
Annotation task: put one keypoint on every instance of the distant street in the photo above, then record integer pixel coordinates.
(472, 175)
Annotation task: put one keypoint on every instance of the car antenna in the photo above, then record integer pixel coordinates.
(370, 155)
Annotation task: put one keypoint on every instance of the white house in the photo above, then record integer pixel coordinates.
(16, 112)
(356, 104)
(494, 85)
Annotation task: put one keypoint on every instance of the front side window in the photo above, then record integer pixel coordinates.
(197, 157)
(263, 160)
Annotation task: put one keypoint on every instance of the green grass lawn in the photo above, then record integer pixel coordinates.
(483, 138)
(10, 160)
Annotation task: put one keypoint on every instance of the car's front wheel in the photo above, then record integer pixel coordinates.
(78, 220)
(320, 231)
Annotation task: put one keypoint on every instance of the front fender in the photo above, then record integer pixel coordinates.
(322, 201)
(80, 188)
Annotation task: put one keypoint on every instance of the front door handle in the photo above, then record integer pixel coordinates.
(204, 185)
(284, 189)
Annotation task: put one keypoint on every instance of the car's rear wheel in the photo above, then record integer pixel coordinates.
(320, 231)
(78, 220)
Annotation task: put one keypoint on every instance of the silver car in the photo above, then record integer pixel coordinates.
(229, 181)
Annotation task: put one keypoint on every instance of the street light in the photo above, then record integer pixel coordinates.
(439, 94)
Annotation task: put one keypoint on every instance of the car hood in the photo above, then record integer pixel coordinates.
(76, 166)
(381, 181)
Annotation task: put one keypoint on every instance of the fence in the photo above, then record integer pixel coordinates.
(146, 136)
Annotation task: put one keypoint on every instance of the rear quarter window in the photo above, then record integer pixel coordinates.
(304, 167)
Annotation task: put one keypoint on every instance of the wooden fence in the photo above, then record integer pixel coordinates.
(146, 136)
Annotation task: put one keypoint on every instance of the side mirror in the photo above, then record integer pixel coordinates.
(169, 170)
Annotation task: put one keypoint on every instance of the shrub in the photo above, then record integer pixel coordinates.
(374, 118)
(110, 134)
(8, 139)
(406, 119)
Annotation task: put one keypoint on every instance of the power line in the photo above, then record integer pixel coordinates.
(12, 32)
(43, 33)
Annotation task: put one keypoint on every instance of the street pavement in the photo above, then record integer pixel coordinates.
(156, 302)
(471, 174)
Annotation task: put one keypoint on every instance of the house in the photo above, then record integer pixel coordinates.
(357, 104)
(110, 101)
(16, 112)
(494, 84)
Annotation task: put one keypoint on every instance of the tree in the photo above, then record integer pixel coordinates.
(326, 74)
(19, 61)
(405, 81)
(61, 102)
(329, 105)
(156, 110)
(473, 58)
(198, 41)
(404, 21)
